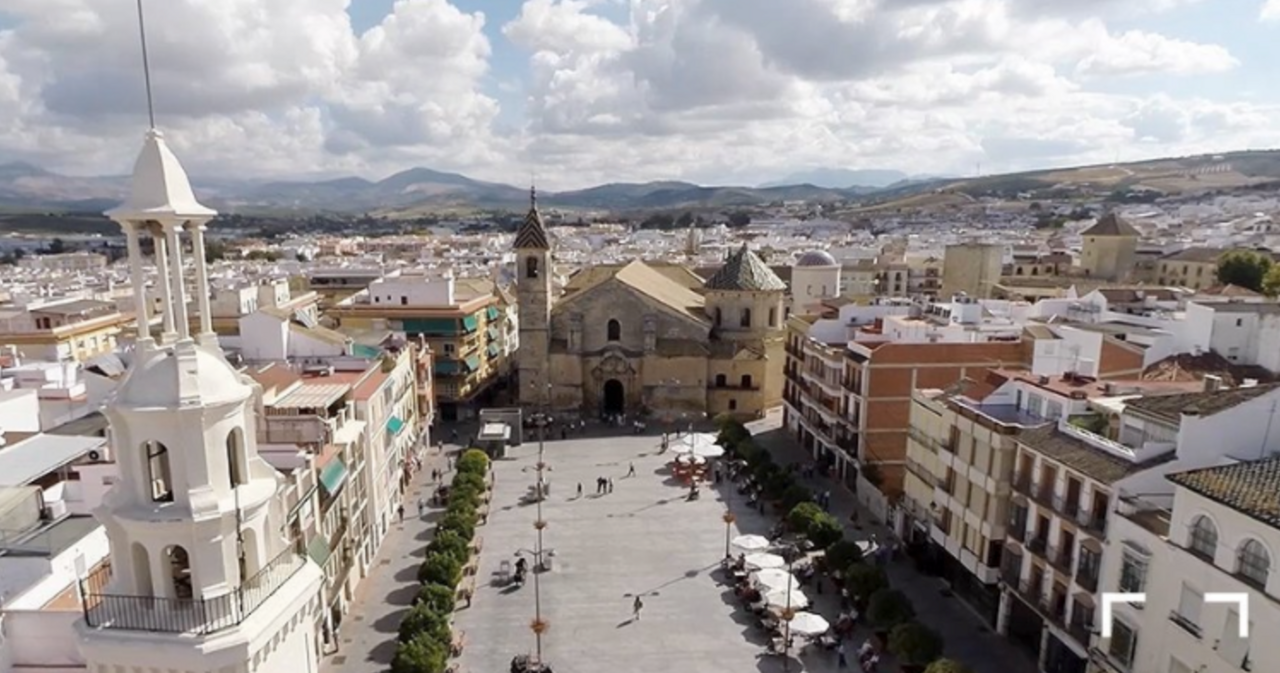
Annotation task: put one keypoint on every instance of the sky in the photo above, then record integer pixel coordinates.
(572, 93)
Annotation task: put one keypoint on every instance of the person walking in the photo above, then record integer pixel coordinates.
(610, 485)
(636, 606)
(400, 511)
(579, 489)
(631, 472)
(421, 507)
(842, 660)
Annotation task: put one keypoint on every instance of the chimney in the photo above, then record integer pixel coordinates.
(1212, 383)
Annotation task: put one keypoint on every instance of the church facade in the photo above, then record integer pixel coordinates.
(648, 340)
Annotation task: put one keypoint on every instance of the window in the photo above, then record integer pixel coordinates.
(718, 316)
(1204, 538)
(1035, 405)
(404, 301)
(1133, 575)
(1231, 646)
(773, 317)
(721, 381)
(1052, 410)
(1124, 641)
(1188, 613)
(158, 471)
(746, 381)
(733, 405)
(615, 330)
(1253, 564)
(745, 320)
(531, 267)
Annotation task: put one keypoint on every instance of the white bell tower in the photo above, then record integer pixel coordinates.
(202, 577)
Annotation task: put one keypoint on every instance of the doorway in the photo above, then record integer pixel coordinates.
(615, 397)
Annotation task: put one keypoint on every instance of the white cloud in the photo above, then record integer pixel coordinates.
(698, 89)
(1271, 10)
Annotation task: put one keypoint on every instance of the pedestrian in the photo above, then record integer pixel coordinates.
(610, 485)
(564, 432)
(599, 485)
(579, 489)
(636, 606)
(841, 660)
(631, 472)
(400, 511)
(453, 435)
(421, 507)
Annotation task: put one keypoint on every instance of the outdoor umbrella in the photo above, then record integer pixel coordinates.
(777, 599)
(699, 444)
(808, 624)
(774, 579)
(762, 561)
(751, 543)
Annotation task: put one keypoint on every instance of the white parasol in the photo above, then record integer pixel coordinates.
(808, 624)
(774, 579)
(699, 444)
(763, 561)
(686, 459)
(751, 543)
(778, 599)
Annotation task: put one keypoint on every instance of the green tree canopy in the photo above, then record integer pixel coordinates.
(421, 655)
(915, 643)
(865, 580)
(1244, 268)
(947, 666)
(1271, 282)
(802, 516)
(440, 569)
(437, 597)
(889, 608)
(422, 620)
(843, 554)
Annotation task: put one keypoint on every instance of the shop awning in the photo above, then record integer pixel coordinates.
(318, 550)
(332, 476)
(471, 323)
(492, 332)
(430, 325)
(446, 367)
(473, 363)
(395, 425)
(492, 313)
(493, 350)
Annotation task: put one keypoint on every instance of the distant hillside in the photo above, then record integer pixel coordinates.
(28, 188)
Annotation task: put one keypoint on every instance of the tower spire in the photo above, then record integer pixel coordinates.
(146, 67)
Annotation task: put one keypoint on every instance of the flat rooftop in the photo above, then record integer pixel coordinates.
(51, 539)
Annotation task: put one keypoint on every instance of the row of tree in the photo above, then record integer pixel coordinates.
(887, 610)
(426, 635)
(1250, 269)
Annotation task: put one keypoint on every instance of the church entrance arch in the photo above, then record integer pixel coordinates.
(615, 397)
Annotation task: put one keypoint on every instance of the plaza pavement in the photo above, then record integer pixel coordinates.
(644, 537)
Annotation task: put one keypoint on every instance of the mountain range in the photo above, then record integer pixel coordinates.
(24, 186)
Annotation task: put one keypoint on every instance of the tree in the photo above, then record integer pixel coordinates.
(57, 246)
(824, 531)
(1244, 268)
(795, 495)
(947, 666)
(451, 543)
(802, 516)
(889, 608)
(864, 580)
(915, 643)
(437, 597)
(739, 219)
(685, 220)
(461, 521)
(214, 250)
(422, 620)
(421, 655)
(842, 554)
(474, 461)
(1271, 282)
(440, 569)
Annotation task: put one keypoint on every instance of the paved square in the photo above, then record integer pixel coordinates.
(644, 537)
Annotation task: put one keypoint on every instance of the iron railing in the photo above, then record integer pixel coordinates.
(197, 616)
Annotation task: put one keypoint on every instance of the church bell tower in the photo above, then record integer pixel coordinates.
(202, 578)
(533, 297)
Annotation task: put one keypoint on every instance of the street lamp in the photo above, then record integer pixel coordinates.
(788, 612)
(728, 518)
(539, 625)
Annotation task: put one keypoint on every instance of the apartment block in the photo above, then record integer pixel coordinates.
(1215, 533)
(61, 330)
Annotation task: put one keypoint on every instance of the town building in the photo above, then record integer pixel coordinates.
(632, 339)
(201, 576)
(1110, 248)
(971, 269)
(62, 329)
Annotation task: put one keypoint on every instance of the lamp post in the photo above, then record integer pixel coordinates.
(788, 612)
(728, 518)
(539, 625)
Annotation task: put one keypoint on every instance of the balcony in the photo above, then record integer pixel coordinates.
(1060, 558)
(924, 440)
(1038, 544)
(1093, 521)
(1087, 577)
(1018, 531)
(1031, 592)
(1080, 629)
(194, 616)
(1022, 484)
(1185, 623)
(1010, 569)
(922, 473)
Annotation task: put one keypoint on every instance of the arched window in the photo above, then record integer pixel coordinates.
(745, 321)
(159, 472)
(531, 267)
(615, 330)
(1253, 563)
(773, 317)
(1204, 538)
(236, 467)
(180, 572)
(141, 570)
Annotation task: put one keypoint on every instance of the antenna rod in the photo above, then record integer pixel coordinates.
(146, 66)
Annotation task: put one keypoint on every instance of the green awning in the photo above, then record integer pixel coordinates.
(363, 351)
(492, 313)
(493, 350)
(473, 362)
(446, 367)
(332, 476)
(492, 332)
(429, 326)
(471, 323)
(395, 425)
(318, 550)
